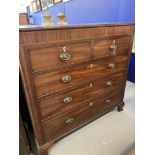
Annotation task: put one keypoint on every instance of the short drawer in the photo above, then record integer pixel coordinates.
(62, 79)
(63, 124)
(56, 104)
(42, 58)
(110, 47)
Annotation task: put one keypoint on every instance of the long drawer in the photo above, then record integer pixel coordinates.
(56, 104)
(62, 124)
(68, 77)
(43, 58)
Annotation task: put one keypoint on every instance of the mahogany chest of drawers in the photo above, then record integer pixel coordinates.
(72, 75)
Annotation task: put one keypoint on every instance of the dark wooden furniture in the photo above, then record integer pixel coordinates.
(24, 146)
(73, 75)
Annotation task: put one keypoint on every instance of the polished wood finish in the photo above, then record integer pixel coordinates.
(95, 72)
(51, 82)
(102, 46)
(45, 35)
(54, 104)
(48, 57)
(58, 126)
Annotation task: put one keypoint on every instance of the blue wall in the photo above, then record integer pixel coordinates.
(131, 72)
(92, 11)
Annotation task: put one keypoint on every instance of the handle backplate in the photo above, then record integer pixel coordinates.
(67, 100)
(64, 56)
(113, 48)
(69, 120)
(66, 78)
(108, 101)
(112, 65)
(109, 83)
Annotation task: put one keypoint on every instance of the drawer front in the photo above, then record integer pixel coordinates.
(56, 81)
(56, 104)
(110, 47)
(53, 57)
(57, 127)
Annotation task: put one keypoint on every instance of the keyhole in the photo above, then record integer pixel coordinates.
(91, 85)
(91, 65)
(91, 103)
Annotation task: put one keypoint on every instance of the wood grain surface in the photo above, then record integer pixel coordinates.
(91, 66)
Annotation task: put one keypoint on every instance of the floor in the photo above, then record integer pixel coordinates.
(111, 134)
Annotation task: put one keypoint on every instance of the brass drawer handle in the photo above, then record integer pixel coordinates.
(107, 101)
(113, 48)
(67, 100)
(111, 65)
(66, 78)
(64, 55)
(109, 83)
(70, 120)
